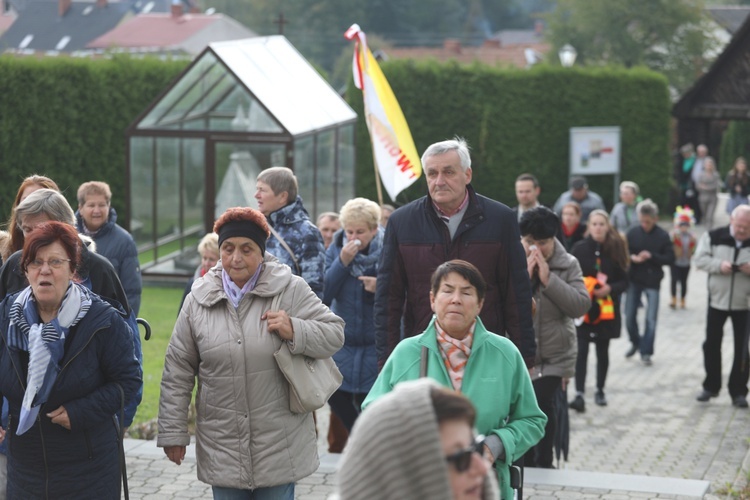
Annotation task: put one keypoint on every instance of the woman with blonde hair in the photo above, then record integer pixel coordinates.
(28, 186)
(351, 269)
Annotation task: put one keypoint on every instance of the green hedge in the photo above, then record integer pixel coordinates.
(66, 118)
(518, 121)
(735, 142)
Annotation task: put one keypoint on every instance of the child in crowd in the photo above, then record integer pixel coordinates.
(684, 247)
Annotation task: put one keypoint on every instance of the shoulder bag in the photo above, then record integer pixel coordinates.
(311, 380)
(297, 269)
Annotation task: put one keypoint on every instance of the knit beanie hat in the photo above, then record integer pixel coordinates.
(394, 450)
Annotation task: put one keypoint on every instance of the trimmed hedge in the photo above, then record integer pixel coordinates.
(518, 121)
(735, 142)
(66, 118)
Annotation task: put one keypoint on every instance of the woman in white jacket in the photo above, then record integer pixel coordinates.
(248, 442)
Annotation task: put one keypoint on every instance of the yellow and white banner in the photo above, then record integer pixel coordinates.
(392, 146)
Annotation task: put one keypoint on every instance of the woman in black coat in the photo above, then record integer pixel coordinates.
(66, 368)
(603, 256)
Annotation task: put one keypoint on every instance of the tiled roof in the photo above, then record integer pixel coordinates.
(487, 54)
(154, 30)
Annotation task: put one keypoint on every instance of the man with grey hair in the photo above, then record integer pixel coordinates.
(650, 248)
(724, 253)
(451, 222)
(623, 216)
(580, 193)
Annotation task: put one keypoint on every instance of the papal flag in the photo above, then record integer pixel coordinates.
(392, 146)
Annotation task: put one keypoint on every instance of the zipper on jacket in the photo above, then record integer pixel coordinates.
(87, 438)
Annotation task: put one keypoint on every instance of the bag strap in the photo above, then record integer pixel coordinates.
(423, 362)
(286, 247)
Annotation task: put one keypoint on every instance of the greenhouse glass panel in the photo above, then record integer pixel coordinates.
(326, 173)
(345, 176)
(304, 168)
(168, 188)
(141, 198)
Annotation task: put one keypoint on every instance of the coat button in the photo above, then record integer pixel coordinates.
(239, 341)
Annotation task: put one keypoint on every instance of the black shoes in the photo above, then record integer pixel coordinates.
(631, 352)
(600, 399)
(740, 402)
(705, 395)
(578, 404)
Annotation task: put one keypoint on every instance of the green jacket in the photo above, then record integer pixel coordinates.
(509, 410)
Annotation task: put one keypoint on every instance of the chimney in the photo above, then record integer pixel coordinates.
(176, 8)
(194, 7)
(101, 3)
(63, 6)
(538, 27)
(452, 45)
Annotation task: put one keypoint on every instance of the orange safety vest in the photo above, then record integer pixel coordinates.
(601, 309)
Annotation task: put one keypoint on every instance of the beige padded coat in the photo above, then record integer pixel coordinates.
(246, 436)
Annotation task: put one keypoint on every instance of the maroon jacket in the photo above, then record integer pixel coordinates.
(417, 242)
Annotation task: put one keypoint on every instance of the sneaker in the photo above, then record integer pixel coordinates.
(600, 399)
(740, 402)
(578, 404)
(631, 352)
(646, 359)
(705, 395)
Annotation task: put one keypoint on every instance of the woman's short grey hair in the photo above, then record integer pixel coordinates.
(48, 202)
(360, 210)
(280, 179)
(457, 144)
(648, 208)
(632, 186)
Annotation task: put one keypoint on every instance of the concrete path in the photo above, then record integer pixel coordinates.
(652, 441)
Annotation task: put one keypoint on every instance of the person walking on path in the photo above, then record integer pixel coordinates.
(623, 216)
(737, 184)
(650, 249)
(603, 257)
(579, 192)
(451, 222)
(560, 295)
(683, 242)
(724, 254)
(708, 186)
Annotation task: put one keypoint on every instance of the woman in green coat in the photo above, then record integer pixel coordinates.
(487, 368)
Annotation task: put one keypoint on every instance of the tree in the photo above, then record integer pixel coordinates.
(669, 36)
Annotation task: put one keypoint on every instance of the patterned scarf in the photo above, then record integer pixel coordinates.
(455, 353)
(45, 343)
(366, 264)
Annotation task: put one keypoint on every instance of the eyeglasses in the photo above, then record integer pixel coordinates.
(37, 264)
(461, 460)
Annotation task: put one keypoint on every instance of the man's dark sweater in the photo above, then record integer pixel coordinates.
(649, 273)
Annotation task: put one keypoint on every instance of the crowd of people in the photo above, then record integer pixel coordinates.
(456, 322)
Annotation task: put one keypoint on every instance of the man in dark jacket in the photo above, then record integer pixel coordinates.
(451, 222)
(97, 219)
(650, 249)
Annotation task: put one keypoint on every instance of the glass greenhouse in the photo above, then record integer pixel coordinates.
(240, 107)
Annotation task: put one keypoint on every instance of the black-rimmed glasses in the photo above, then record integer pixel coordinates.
(461, 460)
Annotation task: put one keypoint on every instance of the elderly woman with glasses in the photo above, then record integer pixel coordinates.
(460, 353)
(66, 369)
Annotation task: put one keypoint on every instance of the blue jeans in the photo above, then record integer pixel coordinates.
(280, 492)
(645, 344)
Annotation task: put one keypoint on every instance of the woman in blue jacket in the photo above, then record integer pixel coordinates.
(66, 367)
(351, 265)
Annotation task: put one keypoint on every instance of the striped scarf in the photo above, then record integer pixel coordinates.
(45, 343)
(455, 353)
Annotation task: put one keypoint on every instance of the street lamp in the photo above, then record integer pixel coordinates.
(567, 55)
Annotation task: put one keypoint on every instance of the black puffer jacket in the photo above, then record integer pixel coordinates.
(49, 461)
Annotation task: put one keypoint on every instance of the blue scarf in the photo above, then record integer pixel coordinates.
(45, 343)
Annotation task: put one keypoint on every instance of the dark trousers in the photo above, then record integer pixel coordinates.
(347, 406)
(679, 275)
(541, 454)
(602, 361)
(712, 352)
